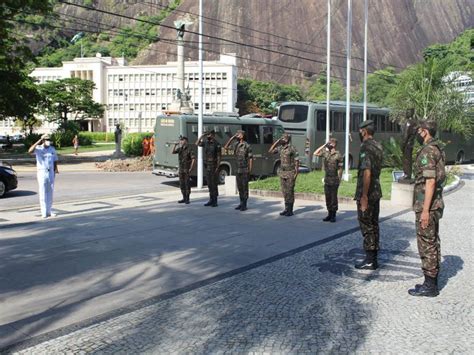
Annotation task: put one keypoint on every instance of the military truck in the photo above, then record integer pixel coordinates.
(261, 133)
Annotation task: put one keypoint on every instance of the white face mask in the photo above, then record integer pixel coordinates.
(47, 143)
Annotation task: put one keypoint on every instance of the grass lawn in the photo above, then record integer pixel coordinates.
(312, 182)
(87, 148)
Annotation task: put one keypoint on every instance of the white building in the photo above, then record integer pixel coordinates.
(462, 82)
(134, 95)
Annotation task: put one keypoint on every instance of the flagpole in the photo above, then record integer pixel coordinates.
(366, 26)
(328, 74)
(200, 170)
(348, 89)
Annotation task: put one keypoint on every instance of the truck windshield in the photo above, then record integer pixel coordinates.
(293, 113)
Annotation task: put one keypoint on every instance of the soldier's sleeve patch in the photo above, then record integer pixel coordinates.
(362, 155)
(424, 160)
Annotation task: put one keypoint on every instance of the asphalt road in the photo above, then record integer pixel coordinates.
(75, 185)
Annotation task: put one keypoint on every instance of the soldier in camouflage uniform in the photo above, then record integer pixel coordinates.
(288, 171)
(332, 176)
(212, 159)
(186, 159)
(243, 153)
(428, 205)
(369, 193)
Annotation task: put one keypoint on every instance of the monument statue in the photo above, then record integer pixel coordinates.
(118, 139)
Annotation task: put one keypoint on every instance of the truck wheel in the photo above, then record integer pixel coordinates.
(460, 157)
(3, 188)
(223, 172)
(275, 168)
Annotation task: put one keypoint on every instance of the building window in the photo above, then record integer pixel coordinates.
(224, 76)
(196, 106)
(218, 91)
(208, 106)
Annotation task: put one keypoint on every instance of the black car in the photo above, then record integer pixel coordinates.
(8, 179)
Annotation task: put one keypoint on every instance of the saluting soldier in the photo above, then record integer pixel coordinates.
(428, 205)
(332, 164)
(243, 153)
(186, 159)
(212, 159)
(369, 193)
(288, 171)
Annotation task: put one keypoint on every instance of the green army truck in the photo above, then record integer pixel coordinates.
(261, 133)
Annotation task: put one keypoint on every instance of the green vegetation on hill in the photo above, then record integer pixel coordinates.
(127, 41)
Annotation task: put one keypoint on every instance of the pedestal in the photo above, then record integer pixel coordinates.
(402, 194)
(230, 185)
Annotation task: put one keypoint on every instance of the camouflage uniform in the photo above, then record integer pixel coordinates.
(371, 154)
(212, 153)
(185, 157)
(332, 163)
(288, 158)
(243, 152)
(429, 163)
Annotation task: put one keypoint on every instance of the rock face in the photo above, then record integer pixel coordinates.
(293, 34)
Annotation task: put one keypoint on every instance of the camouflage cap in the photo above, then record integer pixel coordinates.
(212, 132)
(183, 137)
(366, 124)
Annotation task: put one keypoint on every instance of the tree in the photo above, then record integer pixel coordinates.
(258, 96)
(425, 89)
(64, 97)
(18, 94)
(379, 85)
(317, 91)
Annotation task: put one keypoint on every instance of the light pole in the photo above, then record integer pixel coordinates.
(348, 89)
(200, 171)
(328, 74)
(366, 26)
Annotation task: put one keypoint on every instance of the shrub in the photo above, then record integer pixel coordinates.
(98, 136)
(392, 153)
(132, 143)
(30, 139)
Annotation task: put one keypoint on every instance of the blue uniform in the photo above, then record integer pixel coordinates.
(45, 158)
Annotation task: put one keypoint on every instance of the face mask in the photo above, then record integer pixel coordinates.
(420, 139)
(330, 146)
(47, 143)
(361, 137)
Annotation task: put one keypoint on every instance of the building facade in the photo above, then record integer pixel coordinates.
(133, 95)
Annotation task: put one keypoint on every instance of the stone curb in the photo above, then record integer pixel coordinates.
(317, 197)
(299, 196)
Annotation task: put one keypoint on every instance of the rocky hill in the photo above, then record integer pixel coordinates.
(293, 33)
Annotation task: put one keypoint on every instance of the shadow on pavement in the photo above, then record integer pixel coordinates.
(18, 193)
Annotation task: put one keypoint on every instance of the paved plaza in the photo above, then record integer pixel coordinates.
(147, 276)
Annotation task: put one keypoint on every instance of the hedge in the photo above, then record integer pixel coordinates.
(132, 143)
(98, 136)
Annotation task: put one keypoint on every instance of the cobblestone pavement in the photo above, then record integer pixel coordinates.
(311, 301)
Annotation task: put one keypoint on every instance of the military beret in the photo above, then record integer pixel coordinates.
(365, 124)
(212, 132)
(183, 137)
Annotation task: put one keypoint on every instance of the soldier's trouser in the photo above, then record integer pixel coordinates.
(287, 184)
(212, 181)
(45, 191)
(243, 185)
(429, 243)
(185, 184)
(330, 191)
(369, 224)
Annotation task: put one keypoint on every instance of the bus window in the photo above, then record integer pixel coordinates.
(293, 113)
(339, 124)
(357, 118)
(253, 134)
(389, 125)
(375, 118)
(267, 135)
(321, 121)
(383, 120)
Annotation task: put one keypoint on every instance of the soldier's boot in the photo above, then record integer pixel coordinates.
(209, 203)
(186, 198)
(369, 262)
(244, 205)
(183, 200)
(429, 288)
(285, 211)
(214, 202)
(328, 217)
(239, 206)
(290, 210)
(333, 217)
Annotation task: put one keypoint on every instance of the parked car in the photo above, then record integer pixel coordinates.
(8, 179)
